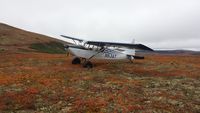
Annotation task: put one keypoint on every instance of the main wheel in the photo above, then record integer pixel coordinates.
(87, 64)
(76, 60)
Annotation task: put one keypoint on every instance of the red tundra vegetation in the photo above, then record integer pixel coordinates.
(41, 82)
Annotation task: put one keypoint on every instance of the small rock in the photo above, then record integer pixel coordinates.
(66, 109)
(173, 102)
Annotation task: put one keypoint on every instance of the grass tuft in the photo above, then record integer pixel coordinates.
(51, 47)
(1, 50)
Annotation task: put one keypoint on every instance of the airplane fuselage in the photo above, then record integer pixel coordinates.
(107, 53)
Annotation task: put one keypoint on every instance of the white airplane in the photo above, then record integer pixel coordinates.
(84, 51)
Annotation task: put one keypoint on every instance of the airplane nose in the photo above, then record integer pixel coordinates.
(66, 47)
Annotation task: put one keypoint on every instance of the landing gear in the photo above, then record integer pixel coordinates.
(87, 64)
(76, 60)
(130, 58)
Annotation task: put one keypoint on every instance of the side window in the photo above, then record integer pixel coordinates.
(96, 48)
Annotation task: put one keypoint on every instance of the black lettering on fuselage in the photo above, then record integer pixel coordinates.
(110, 55)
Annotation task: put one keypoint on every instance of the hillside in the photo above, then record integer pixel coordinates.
(15, 40)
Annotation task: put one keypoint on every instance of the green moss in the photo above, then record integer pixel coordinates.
(2, 50)
(24, 50)
(51, 47)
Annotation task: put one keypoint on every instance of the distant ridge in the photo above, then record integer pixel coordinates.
(171, 52)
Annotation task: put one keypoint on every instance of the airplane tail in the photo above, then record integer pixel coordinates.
(133, 41)
(130, 52)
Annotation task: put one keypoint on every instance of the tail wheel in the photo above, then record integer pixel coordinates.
(76, 60)
(87, 64)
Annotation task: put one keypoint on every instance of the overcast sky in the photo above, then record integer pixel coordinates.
(160, 24)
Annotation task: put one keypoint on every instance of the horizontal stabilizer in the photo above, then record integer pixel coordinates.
(138, 57)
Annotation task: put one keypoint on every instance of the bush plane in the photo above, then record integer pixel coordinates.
(83, 51)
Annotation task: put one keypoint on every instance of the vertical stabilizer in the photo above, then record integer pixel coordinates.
(133, 41)
(130, 52)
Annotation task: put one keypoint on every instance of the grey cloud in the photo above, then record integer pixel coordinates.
(161, 24)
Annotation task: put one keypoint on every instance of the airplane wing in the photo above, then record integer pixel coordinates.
(77, 39)
(102, 44)
(127, 45)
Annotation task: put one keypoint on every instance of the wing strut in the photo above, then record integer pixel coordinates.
(101, 50)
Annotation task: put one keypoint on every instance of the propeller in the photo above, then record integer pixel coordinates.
(67, 49)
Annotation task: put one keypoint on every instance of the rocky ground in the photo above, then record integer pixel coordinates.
(49, 83)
